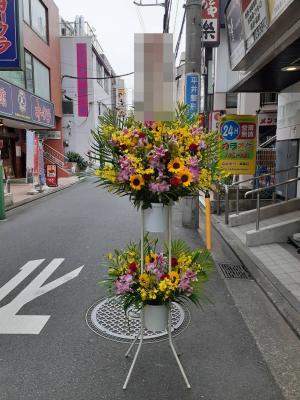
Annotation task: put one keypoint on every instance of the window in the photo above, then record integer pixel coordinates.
(106, 82)
(35, 14)
(67, 107)
(268, 98)
(100, 72)
(231, 100)
(37, 77)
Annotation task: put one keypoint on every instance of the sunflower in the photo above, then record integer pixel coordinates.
(185, 176)
(144, 280)
(175, 165)
(136, 182)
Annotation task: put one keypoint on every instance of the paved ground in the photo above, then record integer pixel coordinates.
(223, 357)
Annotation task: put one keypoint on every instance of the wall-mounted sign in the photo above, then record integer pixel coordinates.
(51, 175)
(239, 144)
(192, 92)
(19, 104)
(235, 32)
(53, 135)
(215, 119)
(82, 83)
(10, 49)
(267, 119)
(255, 20)
(276, 7)
(211, 22)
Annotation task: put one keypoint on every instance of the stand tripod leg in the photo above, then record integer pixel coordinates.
(175, 353)
(132, 344)
(137, 352)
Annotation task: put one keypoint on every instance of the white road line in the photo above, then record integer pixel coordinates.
(10, 323)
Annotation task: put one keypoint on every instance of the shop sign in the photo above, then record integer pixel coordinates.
(36, 156)
(53, 135)
(276, 7)
(214, 120)
(51, 175)
(211, 22)
(267, 119)
(235, 32)
(192, 92)
(255, 20)
(10, 48)
(82, 83)
(238, 153)
(22, 105)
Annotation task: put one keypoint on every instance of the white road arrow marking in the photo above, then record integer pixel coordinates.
(10, 323)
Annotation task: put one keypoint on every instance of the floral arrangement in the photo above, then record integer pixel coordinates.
(156, 162)
(157, 285)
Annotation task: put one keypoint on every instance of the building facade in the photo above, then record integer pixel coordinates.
(31, 98)
(87, 87)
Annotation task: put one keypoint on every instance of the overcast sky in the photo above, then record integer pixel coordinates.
(116, 21)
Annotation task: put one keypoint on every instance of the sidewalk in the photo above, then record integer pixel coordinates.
(275, 267)
(20, 195)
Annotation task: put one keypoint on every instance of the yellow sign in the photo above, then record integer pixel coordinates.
(239, 144)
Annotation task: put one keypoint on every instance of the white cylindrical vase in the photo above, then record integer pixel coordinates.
(156, 218)
(156, 317)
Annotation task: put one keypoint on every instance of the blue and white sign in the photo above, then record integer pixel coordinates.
(10, 58)
(230, 130)
(192, 92)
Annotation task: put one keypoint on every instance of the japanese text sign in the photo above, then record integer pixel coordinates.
(9, 35)
(192, 92)
(235, 32)
(239, 144)
(255, 19)
(211, 22)
(51, 175)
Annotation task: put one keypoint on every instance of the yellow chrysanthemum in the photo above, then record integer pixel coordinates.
(176, 165)
(185, 176)
(136, 182)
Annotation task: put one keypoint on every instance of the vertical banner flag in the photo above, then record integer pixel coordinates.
(36, 155)
(82, 82)
(211, 22)
(192, 92)
(10, 58)
(239, 144)
(42, 164)
(29, 156)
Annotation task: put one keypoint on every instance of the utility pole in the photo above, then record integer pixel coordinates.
(193, 59)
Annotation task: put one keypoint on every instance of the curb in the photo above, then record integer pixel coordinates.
(41, 195)
(285, 303)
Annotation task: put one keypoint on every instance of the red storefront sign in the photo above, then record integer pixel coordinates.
(211, 22)
(51, 175)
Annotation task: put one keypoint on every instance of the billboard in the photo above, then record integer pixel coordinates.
(235, 32)
(11, 52)
(211, 22)
(238, 154)
(255, 20)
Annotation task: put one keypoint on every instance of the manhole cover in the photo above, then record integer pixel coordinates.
(107, 319)
(231, 271)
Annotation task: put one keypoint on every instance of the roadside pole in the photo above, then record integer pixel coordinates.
(2, 203)
(190, 218)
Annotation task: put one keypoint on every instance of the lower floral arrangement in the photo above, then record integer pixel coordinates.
(159, 281)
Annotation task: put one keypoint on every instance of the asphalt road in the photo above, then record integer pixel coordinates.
(66, 360)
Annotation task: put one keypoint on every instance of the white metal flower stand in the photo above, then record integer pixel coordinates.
(141, 332)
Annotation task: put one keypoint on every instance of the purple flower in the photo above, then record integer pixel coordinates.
(159, 187)
(195, 173)
(124, 283)
(193, 162)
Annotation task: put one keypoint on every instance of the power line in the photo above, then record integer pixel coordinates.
(180, 35)
(91, 78)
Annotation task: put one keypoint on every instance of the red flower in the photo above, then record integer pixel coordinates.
(174, 262)
(164, 276)
(175, 181)
(141, 135)
(193, 147)
(132, 267)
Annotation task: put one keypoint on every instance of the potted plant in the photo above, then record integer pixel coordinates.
(153, 287)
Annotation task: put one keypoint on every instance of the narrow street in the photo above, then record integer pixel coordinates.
(58, 357)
